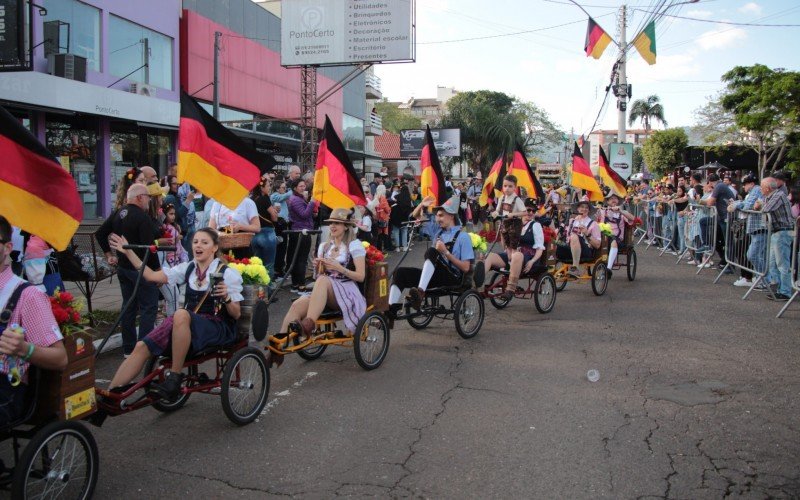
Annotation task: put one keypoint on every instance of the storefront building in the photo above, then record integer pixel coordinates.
(103, 93)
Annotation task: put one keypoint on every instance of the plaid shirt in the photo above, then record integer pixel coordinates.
(755, 222)
(777, 205)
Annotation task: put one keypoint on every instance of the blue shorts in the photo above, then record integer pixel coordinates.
(525, 259)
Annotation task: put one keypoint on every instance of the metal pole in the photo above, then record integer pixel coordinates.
(622, 79)
(217, 36)
(146, 59)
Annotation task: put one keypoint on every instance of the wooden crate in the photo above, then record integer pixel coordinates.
(376, 286)
(70, 394)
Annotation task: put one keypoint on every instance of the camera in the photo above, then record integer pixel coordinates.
(215, 279)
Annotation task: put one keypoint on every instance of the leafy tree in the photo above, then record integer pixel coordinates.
(395, 119)
(638, 159)
(759, 108)
(664, 150)
(647, 110)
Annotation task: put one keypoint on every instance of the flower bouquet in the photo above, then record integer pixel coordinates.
(488, 234)
(550, 234)
(478, 242)
(605, 228)
(67, 312)
(374, 256)
(637, 221)
(252, 270)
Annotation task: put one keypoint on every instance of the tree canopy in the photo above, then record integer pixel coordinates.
(395, 119)
(647, 110)
(664, 149)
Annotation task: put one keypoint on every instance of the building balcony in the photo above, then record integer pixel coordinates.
(373, 87)
(373, 125)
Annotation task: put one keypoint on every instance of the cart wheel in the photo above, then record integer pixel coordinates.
(420, 321)
(311, 352)
(469, 312)
(245, 385)
(189, 372)
(61, 461)
(497, 301)
(561, 285)
(544, 297)
(599, 278)
(632, 262)
(371, 340)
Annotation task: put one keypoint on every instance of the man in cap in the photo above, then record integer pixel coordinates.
(782, 177)
(445, 262)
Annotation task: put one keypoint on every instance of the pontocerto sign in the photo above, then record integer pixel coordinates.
(620, 156)
(331, 32)
(447, 142)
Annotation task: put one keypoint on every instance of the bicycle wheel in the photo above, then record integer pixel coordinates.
(498, 282)
(469, 313)
(421, 321)
(61, 461)
(189, 372)
(632, 263)
(311, 352)
(371, 340)
(245, 385)
(599, 279)
(544, 297)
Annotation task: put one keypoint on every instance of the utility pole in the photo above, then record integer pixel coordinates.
(217, 36)
(621, 88)
(146, 57)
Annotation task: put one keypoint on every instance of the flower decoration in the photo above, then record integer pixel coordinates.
(637, 221)
(67, 312)
(605, 228)
(131, 172)
(252, 270)
(478, 242)
(374, 256)
(550, 234)
(488, 235)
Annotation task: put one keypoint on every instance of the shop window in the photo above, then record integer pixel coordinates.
(281, 128)
(126, 53)
(72, 27)
(74, 143)
(231, 117)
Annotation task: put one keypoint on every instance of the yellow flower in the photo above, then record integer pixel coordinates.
(365, 244)
(256, 261)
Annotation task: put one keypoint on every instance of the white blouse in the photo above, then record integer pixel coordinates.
(176, 276)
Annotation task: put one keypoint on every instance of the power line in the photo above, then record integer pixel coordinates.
(730, 23)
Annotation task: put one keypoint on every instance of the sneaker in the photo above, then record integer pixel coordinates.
(507, 295)
(609, 274)
(170, 389)
(742, 282)
(778, 297)
(573, 272)
(692, 262)
(706, 265)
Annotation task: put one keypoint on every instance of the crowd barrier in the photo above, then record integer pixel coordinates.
(795, 270)
(639, 209)
(747, 244)
(700, 234)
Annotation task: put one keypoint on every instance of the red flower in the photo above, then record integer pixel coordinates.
(66, 297)
(246, 262)
(76, 318)
(61, 315)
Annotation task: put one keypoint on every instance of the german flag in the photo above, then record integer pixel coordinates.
(336, 183)
(582, 177)
(611, 178)
(526, 177)
(212, 159)
(596, 40)
(431, 177)
(496, 173)
(36, 193)
(645, 43)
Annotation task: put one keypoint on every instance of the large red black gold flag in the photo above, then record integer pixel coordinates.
(36, 193)
(336, 183)
(212, 159)
(582, 176)
(431, 176)
(496, 173)
(611, 178)
(526, 177)
(596, 40)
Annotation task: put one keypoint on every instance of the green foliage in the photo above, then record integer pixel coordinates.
(638, 159)
(395, 119)
(647, 110)
(663, 150)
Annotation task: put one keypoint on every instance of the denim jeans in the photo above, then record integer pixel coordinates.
(399, 236)
(265, 244)
(757, 252)
(680, 233)
(780, 261)
(144, 304)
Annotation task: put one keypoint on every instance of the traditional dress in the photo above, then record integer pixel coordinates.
(348, 296)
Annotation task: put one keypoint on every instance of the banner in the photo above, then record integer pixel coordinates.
(12, 35)
(447, 142)
(621, 158)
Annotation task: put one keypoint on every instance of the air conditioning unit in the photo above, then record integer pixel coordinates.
(143, 89)
(68, 66)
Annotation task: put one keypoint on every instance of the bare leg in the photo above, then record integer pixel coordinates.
(295, 313)
(575, 247)
(320, 297)
(131, 367)
(493, 261)
(514, 270)
(181, 338)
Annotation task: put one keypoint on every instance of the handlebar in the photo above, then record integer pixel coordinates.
(414, 222)
(150, 248)
(303, 231)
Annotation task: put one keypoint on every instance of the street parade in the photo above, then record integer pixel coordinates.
(494, 293)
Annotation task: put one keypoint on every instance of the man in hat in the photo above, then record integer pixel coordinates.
(618, 217)
(782, 177)
(445, 262)
(583, 236)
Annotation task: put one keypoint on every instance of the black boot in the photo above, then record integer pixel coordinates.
(170, 389)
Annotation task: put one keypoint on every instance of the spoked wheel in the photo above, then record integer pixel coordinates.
(245, 385)
(469, 312)
(189, 372)
(599, 279)
(419, 322)
(497, 301)
(311, 352)
(61, 461)
(544, 296)
(371, 340)
(632, 262)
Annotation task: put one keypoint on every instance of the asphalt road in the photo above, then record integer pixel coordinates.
(697, 398)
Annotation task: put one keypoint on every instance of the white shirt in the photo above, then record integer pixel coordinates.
(356, 250)
(538, 234)
(224, 216)
(176, 276)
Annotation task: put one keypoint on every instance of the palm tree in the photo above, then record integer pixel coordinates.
(646, 111)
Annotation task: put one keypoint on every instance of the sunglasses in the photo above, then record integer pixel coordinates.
(530, 210)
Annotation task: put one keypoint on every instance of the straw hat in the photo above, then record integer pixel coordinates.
(342, 215)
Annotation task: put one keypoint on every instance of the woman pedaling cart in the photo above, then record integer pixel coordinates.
(213, 294)
(618, 218)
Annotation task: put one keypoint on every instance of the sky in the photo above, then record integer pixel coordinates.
(550, 69)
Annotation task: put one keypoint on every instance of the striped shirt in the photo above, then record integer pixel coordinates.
(777, 205)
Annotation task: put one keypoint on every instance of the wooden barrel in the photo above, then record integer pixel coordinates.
(251, 293)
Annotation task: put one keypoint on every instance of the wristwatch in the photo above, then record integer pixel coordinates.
(227, 299)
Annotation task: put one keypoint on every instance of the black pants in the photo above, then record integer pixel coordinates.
(719, 245)
(144, 304)
(300, 243)
(443, 274)
(12, 400)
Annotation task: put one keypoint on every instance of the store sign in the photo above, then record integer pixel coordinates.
(621, 158)
(12, 35)
(336, 32)
(446, 140)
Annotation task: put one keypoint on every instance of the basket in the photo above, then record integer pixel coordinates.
(228, 241)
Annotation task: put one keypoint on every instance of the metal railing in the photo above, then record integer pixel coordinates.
(639, 209)
(700, 234)
(375, 120)
(373, 81)
(794, 271)
(747, 244)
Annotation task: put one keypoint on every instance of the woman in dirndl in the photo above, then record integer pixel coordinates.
(339, 268)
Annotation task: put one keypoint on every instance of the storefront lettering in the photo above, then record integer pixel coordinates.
(106, 110)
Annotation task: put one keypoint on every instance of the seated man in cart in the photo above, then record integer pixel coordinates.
(339, 267)
(583, 237)
(522, 259)
(618, 217)
(208, 318)
(445, 262)
(40, 345)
